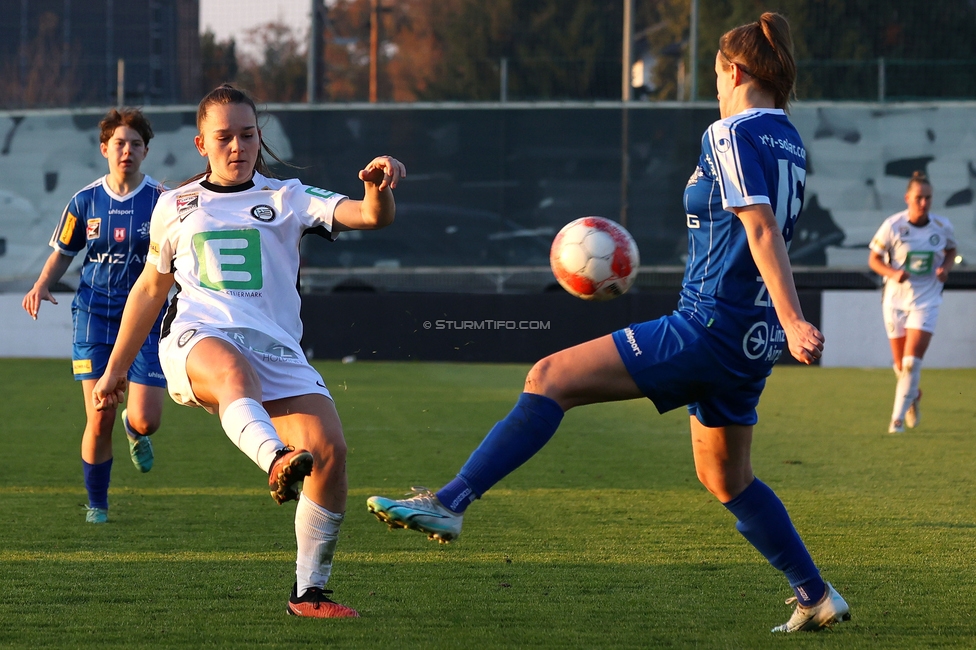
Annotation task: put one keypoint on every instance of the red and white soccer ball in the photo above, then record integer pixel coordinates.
(594, 258)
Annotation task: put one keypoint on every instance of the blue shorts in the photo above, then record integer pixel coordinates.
(89, 360)
(672, 363)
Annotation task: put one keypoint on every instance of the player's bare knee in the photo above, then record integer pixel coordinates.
(541, 379)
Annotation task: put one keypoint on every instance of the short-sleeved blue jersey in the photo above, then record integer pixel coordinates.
(751, 158)
(115, 231)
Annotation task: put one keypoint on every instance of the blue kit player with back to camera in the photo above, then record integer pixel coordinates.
(738, 310)
(109, 218)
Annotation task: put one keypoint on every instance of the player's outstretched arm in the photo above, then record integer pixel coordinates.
(377, 209)
(55, 266)
(769, 252)
(142, 307)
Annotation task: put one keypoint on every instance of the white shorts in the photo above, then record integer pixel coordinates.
(283, 372)
(898, 320)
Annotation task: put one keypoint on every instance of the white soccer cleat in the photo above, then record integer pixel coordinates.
(830, 610)
(914, 414)
(896, 426)
(422, 512)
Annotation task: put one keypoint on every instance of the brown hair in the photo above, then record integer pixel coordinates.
(221, 96)
(764, 51)
(130, 117)
(920, 178)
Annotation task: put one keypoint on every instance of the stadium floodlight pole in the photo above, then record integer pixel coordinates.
(627, 58)
(693, 53)
(120, 82)
(316, 25)
(374, 49)
(627, 61)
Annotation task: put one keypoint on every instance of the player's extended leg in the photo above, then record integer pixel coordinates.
(141, 418)
(96, 455)
(222, 380)
(585, 374)
(310, 422)
(907, 394)
(724, 466)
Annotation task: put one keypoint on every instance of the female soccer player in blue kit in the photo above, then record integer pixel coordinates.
(109, 218)
(737, 311)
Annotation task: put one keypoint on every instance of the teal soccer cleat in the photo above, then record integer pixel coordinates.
(96, 515)
(831, 609)
(422, 512)
(140, 448)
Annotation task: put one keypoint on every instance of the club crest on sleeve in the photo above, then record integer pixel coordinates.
(187, 203)
(93, 228)
(263, 213)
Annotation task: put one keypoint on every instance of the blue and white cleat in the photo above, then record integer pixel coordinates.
(140, 448)
(96, 515)
(831, 609)
(422, 512)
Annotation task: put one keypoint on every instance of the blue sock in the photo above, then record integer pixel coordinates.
(511, 442)
(96, 482)
(763, 520)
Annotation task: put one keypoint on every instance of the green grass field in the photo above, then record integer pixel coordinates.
(604, 539)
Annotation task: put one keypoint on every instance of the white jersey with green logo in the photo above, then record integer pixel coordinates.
(235, 254)
(920, 250)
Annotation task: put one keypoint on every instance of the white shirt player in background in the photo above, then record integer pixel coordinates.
(913, 251)
(230, 339)
(107, 222)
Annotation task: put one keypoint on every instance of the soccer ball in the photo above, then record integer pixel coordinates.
(594, 258)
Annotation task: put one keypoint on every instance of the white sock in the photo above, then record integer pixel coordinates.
(249, 427)
(317, 531)
(907, 388)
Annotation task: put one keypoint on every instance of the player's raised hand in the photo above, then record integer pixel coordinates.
(805, 341)
(109, 391)
(384, 172)
(32, 301)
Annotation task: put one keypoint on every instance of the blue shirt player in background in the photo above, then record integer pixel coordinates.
(738, 311)
(108, 222)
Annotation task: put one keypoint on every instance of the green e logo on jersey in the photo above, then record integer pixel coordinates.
(319, 192)
(919, 262)
(229, 259)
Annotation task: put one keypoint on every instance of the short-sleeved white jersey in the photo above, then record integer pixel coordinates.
(234, 253)
(920, 250)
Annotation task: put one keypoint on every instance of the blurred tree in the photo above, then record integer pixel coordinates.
(45, 74)
(219, 61)
(280, 74)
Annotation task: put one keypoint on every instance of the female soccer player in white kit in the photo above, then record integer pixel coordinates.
(737, 313)
(229, 239)
(914, 251)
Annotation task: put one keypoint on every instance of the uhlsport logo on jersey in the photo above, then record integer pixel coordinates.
(263, 213)
(229, 259)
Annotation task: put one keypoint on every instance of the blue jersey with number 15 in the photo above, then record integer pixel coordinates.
(750, 158)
